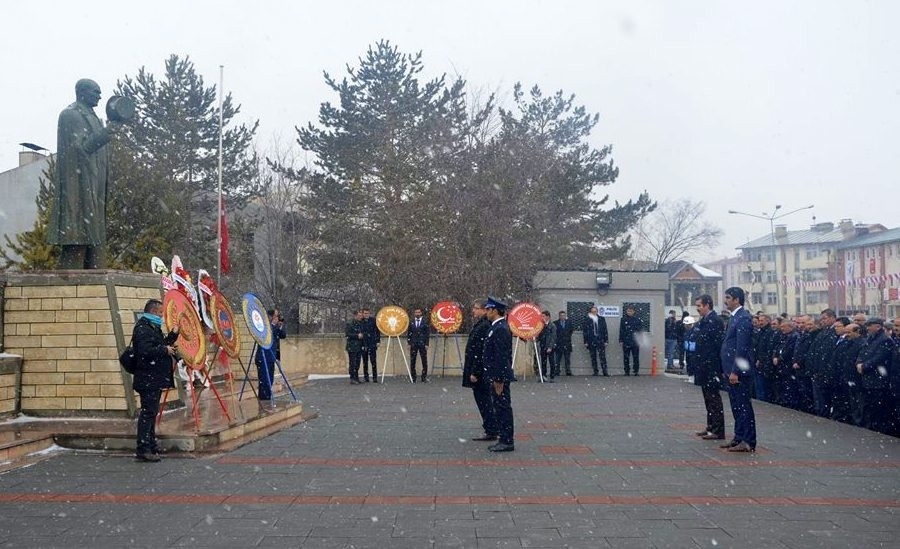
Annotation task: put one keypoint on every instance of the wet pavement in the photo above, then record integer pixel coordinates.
(599, 462)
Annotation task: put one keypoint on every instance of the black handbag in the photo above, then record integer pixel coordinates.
(129, 359)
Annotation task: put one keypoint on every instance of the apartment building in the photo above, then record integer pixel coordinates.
(798, 271)
(870, 265)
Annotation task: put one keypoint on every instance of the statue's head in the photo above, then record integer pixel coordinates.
(87, 91)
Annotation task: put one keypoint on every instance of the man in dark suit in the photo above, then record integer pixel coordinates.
(417, 336)
(671, 329)
(371, 339)
(547, 344)
(498, 370)
(708, 336)
(737, 358)
(874, 365)
(564, 331)
(473, 372)
(353, 331)
(629, 327)
(596, 336)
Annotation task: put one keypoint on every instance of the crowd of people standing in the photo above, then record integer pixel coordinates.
(845, 368)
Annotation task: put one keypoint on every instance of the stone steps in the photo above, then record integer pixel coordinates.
(22, 438)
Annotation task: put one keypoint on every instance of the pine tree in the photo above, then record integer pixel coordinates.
(164, 189)
(418, 196)
(30, 250)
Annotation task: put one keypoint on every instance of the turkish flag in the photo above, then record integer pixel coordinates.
(223, 225)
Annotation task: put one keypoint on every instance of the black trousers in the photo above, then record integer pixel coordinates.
(876, 412)
(628, 352)
(146, 427)
(353, 368)
(564, 356)
(503, 410)
(548, 363)
(482, 394)
(423, 352)
(715, 412)
(597, 353)
(370, 355)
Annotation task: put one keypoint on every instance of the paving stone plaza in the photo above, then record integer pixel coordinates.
(599, 462)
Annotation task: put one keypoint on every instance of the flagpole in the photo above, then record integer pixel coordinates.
(219, 209)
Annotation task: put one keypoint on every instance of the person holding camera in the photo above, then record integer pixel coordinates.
(265, 358)
(153, 373)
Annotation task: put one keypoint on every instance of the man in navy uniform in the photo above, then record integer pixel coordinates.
(596, 337)
(874, 366)
(498, 370)
(417, 336)
(473, 372)
(629, 327)
(737, 358)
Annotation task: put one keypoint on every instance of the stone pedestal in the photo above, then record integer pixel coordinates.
(69, 327)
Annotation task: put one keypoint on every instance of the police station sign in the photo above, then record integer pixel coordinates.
(609, 310)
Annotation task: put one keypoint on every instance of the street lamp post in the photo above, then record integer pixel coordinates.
(771, 219)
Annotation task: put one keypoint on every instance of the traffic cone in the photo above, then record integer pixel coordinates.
(653, 362)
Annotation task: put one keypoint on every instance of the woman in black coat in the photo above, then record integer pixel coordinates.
(153, 374)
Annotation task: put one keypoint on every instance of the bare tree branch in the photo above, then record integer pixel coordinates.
(674, 230)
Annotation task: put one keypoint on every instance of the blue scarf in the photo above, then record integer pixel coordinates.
(154, 319)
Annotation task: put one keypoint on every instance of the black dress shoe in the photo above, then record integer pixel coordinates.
(627, 373)
(152, 458)
(424, 379)
(703, 433)
(568, 373)
(605, 374)
(596, 374)
(731, 444)
(500, 447)
(485, 437)
(550, 380)
(713, 436)
(636, 374)
(742, 447)
(367, 380)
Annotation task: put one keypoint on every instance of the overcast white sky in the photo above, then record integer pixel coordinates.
(741, 104)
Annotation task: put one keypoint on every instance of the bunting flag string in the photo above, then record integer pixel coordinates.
(872, 280)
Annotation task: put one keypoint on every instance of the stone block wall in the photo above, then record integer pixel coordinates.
(10, 370)
(68, 326)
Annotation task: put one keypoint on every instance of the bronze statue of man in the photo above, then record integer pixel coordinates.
(78, 209)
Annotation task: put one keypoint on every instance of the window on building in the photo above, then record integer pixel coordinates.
(812, 253)
(577, 311)
(809, 275)
(756, 298)
(817, 298)
(796, 260)
(771, 276)
(770, 255)
(771, 298)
